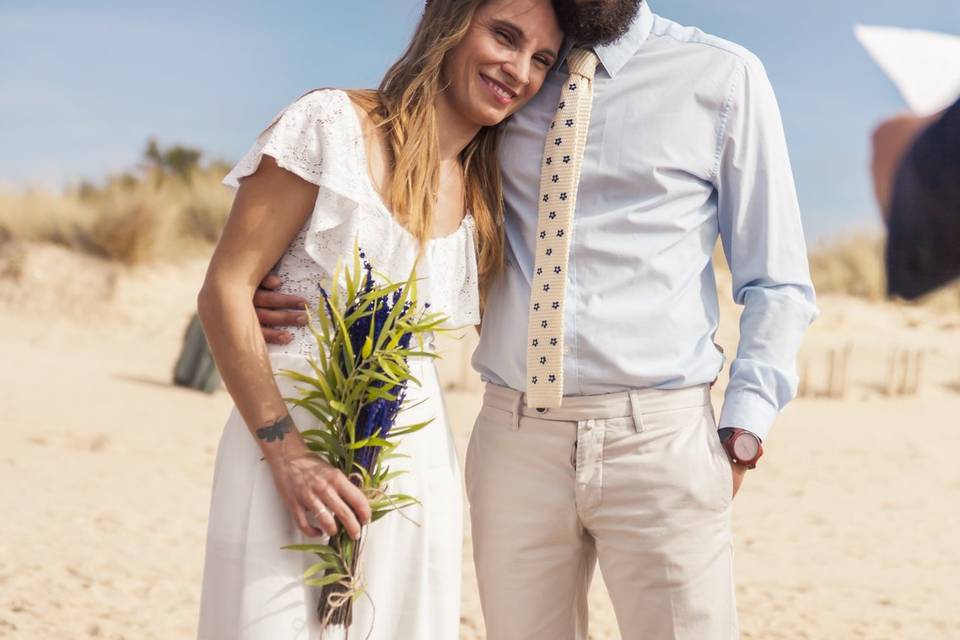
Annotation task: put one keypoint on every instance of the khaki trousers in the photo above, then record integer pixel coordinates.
(637, 480)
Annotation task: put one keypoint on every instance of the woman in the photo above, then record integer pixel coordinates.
(410, 172)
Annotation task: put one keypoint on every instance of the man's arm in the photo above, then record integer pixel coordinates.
(924, 206)
(891, 140)
(759, 219)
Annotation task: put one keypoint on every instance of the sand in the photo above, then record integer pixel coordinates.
(849, 529)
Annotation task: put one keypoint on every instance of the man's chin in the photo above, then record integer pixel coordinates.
(596, 22)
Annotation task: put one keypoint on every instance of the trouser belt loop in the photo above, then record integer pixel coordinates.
(517, 412)
(635, 409)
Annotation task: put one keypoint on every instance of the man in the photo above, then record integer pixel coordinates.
(916, 172)
(596, 440)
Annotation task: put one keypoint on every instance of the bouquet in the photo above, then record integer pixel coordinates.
(356, 392)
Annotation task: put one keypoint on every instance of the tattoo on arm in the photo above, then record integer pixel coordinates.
(276, 430)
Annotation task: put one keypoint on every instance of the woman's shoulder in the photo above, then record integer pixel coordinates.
(325, 107)
(329, 103)
(312, 137)
(332, 117)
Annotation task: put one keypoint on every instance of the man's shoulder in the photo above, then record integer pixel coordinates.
(714, 49)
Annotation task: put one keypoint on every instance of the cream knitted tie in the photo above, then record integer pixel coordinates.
(559, 179)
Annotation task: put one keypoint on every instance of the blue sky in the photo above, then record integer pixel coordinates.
(83, 85)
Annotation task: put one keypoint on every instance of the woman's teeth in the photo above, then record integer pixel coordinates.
(497, 89)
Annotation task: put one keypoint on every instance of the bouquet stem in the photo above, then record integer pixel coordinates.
(335, 607)
(356, 388)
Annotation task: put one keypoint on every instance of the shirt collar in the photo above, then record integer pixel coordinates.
(615, 55)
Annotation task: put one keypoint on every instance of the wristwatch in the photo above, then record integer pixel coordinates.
(742, 446)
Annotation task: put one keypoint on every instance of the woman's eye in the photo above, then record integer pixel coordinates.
(504, 36)
(543, 61)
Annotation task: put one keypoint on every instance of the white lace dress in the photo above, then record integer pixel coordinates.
(252, 590)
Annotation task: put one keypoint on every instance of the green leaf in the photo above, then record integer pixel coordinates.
(374, 393)
(330, 578)
(325, 388)
(339, 406)
(320, 566)
(372, 441)
(413, 405)
(376, 515)
(394, 456)
(346, 547)
(391, 370)
(402, 431)
(314, 548)
(387, 477)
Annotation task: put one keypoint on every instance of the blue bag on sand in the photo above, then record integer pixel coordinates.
(195, 367)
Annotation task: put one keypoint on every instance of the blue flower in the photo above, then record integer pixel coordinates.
(377, 417)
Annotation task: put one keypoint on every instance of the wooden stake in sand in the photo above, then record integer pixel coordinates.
(904, 371)
(803, 387)
(837, 360)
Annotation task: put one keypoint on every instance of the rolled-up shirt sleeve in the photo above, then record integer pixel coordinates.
(762, 236)
(923, 241)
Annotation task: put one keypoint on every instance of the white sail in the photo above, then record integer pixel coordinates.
(924, 65)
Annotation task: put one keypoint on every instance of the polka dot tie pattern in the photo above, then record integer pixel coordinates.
(559, 179)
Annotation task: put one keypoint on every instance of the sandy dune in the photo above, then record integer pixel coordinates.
(848, 530)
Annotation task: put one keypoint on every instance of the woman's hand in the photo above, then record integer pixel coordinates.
(309, 485)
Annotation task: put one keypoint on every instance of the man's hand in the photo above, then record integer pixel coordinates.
(277, 310)
(891, 140)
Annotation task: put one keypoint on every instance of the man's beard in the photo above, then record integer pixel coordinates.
(594, 22)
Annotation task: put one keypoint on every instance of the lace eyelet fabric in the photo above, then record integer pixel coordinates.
(319, 138)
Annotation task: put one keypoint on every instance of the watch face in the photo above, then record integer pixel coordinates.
(745, 447)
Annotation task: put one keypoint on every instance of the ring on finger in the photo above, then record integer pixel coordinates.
(314, 517)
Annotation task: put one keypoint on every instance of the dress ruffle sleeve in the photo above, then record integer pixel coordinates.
(306, 139)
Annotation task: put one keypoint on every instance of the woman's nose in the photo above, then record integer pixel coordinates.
(518, 69)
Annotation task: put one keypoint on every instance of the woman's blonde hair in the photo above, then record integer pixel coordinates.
(403, 106)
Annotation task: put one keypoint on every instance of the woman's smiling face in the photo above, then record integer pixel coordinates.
(503, 60)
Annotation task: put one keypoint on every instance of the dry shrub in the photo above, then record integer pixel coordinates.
(205, 210)
(130, 219)
(131, 226)
(852, 265)
(43, 217)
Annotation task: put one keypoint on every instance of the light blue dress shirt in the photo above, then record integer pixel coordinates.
(685, 144)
